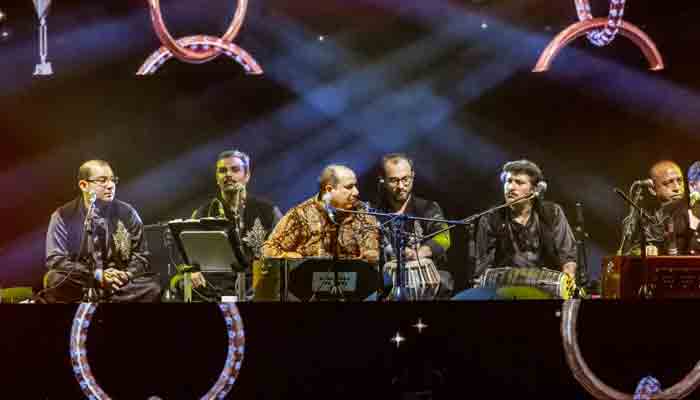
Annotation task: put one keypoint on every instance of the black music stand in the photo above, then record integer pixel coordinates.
(319, 279)
(206, 244)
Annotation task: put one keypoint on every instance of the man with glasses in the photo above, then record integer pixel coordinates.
(118, 243)
(251, 217)
(396, 196)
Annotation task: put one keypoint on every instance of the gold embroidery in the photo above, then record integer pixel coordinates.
(122, 241)
(255, 238)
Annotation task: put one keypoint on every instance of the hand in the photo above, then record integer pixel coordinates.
(115, 278)
(410, 254)
(423, 252)
(198, 280)
(569, 268)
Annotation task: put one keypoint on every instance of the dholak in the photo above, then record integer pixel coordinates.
(528, 283)
(420, 277)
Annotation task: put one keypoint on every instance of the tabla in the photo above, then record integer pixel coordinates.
(549, 283)
(420, 277)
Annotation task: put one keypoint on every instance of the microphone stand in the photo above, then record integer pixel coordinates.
(235, 211)
(582, 271)
(396, 223)
(92, 292)
(644, 218)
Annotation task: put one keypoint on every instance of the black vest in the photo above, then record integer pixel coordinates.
(73, 216)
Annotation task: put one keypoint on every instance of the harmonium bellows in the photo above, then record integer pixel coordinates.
(663, 277)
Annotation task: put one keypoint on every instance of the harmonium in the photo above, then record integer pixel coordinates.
(657, 277)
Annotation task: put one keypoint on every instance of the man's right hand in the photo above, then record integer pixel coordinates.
(198, 280)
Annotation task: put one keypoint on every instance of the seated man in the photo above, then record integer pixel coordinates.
(313, 229)
(121, 245)
(532, 233)
(397, 197)
(251, 220)
(668, 232)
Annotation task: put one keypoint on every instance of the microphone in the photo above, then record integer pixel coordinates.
(366, 206)
(540, 188)
(233, 192)
(328, 207)
(643, 182)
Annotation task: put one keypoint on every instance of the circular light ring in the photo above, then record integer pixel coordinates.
(201, 43)
(597, 388)
(93, 391)
(602, 37)
(181, 52)
(630, 31)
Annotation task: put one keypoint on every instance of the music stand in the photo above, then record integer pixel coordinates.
(206, 245)
(210, 251)
(315, 279)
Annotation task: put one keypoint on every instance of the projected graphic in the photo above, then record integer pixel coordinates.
(600, 32)
(92, 390)
(200, 48)
(597, 388)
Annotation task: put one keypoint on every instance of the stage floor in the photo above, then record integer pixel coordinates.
(345, 351)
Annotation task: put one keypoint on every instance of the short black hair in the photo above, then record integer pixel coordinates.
(526, 167)
(395, 157)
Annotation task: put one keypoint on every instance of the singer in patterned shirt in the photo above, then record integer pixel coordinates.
(314, 229)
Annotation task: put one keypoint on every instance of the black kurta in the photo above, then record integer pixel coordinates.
(545, 241)
(123, 247)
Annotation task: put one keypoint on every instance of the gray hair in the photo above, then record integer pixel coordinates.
(245, 158)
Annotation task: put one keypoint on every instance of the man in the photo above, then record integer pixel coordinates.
(119, 246)
(314, 229)
(667, 232)
(251, 218)
(396, 196)
(532, 233)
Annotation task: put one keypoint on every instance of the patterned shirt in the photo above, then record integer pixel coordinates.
(307, 230)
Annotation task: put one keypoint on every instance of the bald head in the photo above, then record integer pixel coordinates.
(668, 181)
(86, 169)
(340, 184)
(331, 175)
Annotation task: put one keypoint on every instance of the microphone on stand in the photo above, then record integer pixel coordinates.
(233, 194)
(540, 188)
(643, 182)
(330, 210)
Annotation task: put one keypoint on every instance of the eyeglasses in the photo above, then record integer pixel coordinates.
(406, 180)
(102, 180)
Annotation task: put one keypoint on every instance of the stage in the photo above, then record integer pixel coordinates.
(346, 351)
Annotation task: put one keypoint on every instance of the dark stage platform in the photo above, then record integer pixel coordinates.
(345, 351)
